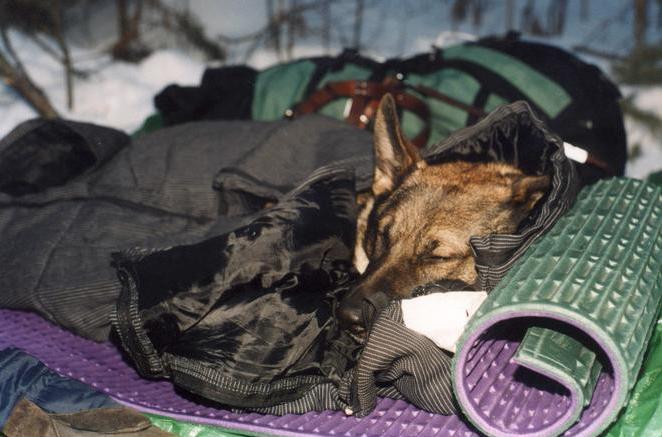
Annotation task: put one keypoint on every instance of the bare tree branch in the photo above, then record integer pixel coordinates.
(58, 35)
(128, 46)
(274, 18)
(598, 53)
(640, 22)
(43, 45)
(14, 75)
(189, 27)
(46, 48)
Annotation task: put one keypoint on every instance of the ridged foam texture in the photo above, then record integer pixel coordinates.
(591, 288)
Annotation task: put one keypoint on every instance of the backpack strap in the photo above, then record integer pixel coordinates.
(365, 96)
(435, 94)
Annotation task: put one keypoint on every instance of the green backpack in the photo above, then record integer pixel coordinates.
(439, 92)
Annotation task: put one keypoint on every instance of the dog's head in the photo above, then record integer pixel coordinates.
(415, 226)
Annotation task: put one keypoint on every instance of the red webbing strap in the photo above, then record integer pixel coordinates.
(365, 97)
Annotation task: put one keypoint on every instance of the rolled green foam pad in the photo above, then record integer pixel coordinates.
(557, 345)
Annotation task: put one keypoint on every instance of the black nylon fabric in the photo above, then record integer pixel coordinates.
(246, 318)
(265, 172)
(224, 94)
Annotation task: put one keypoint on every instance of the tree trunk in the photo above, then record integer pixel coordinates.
(325, 11)
(640, 22)
(66, 56)
(292, 23)
(122, 17)
(273, 35)
(510, 15)
(128, 26)
(358, 24)
(477, 13)
(556, 17)
(583, 10)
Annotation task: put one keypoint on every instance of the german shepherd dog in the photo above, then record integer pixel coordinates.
(414, 226)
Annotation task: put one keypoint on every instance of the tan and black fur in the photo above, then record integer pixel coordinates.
(415, 225)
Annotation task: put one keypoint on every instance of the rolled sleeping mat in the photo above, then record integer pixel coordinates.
(556, 347)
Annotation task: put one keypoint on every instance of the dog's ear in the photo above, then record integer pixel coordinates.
(393, 153)
(527, 190)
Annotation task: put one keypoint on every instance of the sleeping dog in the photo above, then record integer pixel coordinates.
(415, 224)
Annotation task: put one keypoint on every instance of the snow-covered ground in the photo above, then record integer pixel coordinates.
(650, 157)
(120, 94)
(116, 94)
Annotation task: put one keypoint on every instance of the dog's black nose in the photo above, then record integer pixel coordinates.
(349, 314)
(350, 318)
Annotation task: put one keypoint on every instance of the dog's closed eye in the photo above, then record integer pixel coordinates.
(435, 251)
(383, 240)
(436, 258)
(443, 250)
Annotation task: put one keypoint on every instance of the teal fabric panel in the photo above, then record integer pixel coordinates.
(445, 118)
(151, 123)
(279, 87)
(541, 90)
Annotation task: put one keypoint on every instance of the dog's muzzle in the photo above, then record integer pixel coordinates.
(357, 310)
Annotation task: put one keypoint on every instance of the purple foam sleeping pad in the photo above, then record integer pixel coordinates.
(102, 366)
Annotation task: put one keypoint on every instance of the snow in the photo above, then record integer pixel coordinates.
(650, 157)
(120, 95)
(116, 94)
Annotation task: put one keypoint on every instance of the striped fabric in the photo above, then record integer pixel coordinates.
(402, 364)
(396, 363)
